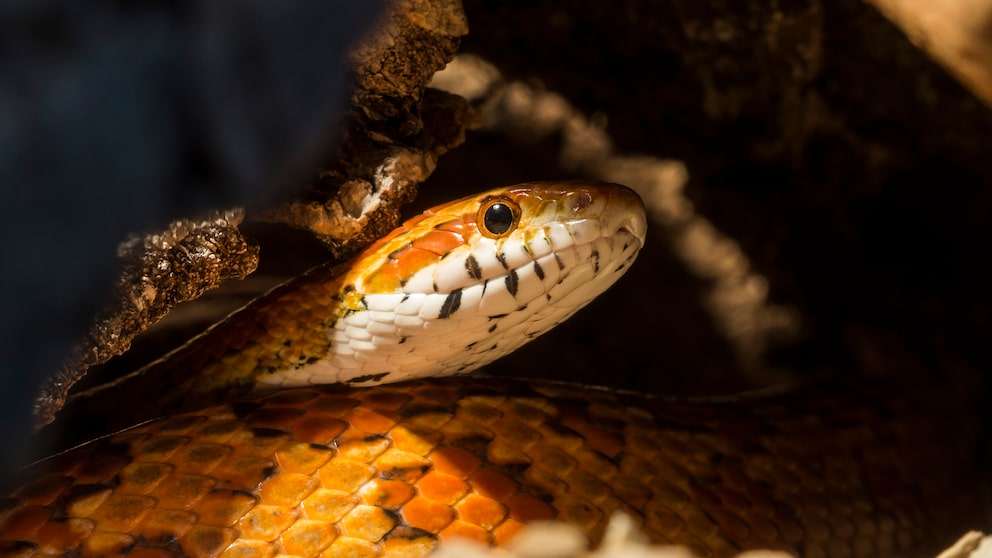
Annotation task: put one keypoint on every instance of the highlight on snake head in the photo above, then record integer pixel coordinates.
(472, 280)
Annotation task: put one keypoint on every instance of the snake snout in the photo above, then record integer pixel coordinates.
(625, 214)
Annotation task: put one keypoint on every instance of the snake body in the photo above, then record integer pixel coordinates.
(239, 468)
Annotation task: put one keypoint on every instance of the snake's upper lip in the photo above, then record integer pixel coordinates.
(635, 226)
(625, 213)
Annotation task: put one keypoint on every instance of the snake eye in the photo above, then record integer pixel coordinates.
(498, 217)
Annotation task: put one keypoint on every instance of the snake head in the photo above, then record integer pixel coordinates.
(474, 279)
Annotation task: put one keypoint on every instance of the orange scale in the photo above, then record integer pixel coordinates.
(385, 399)
(218, 431)
(505, 455)
(43, 490)
(516, 433)
(588, 486)
(288, 489)
(384, 279)
(258, 442)
(122, 512)
(552, 459)
(58, 537)
(442, 487)
(363, 449)
(560, 436)
(101, 468)
(578, 511)
(243, 471)
(455, 461)
(438, 241)
(463, 226)
(455, 430)
(329, 505)
(200, 457)
(505, 532)
(370, 523)
(367, 420)
(101, 543)
(345, 475)
(266, 523)
(408, 545)
(296, 457)
(402, 465)
(493, 484)
(478, 413)
(351, 547)
(182, 491)
(388, 494)
(308, 538)
(165, 524)
(81, 501)
(222, 508)
(430, 419)
(205, 542)
(480, 510)
(334, 405)
(521, 410)
(463, 530)
(246, 548)
(179, 425)
(158, 448)
(23, 522)
(544, 482)
(596, 463)
(317, 429)
(143, 477)
(525, 508)
(599, 439)
(429, 515)
(410, 260)
(415, 439)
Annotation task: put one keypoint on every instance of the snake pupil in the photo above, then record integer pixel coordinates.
(498, 218)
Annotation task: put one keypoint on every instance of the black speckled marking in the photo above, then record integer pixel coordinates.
(512, 283)
(561, 264)
(368, 378)
(492, 328)
(502, 260)
(472, 266)
(595, 261)
(539, 271)
(451, 304)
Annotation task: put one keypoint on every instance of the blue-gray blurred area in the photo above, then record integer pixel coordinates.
(119, 116)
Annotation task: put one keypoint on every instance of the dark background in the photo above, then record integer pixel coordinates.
(852, 170)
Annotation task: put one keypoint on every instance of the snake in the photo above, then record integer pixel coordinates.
(337, 415)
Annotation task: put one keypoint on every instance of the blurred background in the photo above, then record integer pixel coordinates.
(819, 186)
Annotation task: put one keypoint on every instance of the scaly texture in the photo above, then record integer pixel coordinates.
(440, 295)
(394, 470)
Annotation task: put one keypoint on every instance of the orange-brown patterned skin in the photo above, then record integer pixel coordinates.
(394, 470)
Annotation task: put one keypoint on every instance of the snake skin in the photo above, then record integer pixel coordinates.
(396, 469)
